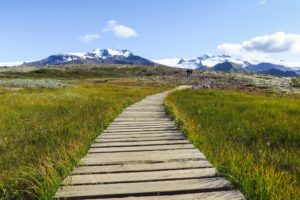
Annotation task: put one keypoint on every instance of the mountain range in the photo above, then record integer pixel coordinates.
(224, 63)
(97, 56)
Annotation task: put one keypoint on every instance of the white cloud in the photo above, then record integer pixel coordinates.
(279, 42)
(263, 2)
(119, 30)
(267, 47)
(89, 37)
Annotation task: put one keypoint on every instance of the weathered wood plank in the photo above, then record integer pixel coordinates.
(139, 176)
(141, 129)
(152, 153)
(178, 138)
(147, 188)
(157, 135)
(219, 195)
(150, 143)
(143, 126)
(129, 139)
(141, 132)
(89, 160)
(141, 123)
(141, 148)
(142, 111)
(149, 119)
(142, 167)
(130, 127)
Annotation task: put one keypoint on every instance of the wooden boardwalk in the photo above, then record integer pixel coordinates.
(143, 156)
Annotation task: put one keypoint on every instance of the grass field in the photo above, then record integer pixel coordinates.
(47, 126)
(253, 139)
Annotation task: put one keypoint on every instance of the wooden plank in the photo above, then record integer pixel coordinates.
(137, 123)
(139, 155)
(99, 140)
(139, 176)
(179, 138)
(147, 188)
(154, 109)
(141, 148)
(144, 114)
(219, 195)
(171, 125)
(140, 135)
(142, 138)
(157, 135)
(89, 160)
(142, 111)
(160, 119)
(142, 167)
(141, 121)
(141, 129)
(137, 107)
(150, 143)
(141, 132)
(138, 126)
(142, 153)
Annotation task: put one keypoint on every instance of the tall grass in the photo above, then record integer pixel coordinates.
(253, 139)
(44, 132)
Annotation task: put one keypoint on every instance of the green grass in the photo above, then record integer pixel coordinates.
(253, 139)
(44, 132)
(296, 82)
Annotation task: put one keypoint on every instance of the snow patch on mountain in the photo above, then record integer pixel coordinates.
(168, 61)
(205, 60)
(101, 53)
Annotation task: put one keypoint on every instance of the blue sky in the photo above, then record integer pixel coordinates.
(156, 29)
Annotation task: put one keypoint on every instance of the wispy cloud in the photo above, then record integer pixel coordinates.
(120, 30)
(89, 37)
(279, 42)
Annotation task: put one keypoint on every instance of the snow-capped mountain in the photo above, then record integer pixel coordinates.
(97, 56)
(227, 63)
(205, 60)
(224, 63)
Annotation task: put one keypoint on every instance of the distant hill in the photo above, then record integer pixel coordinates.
(227, 63)
(97, 56)
(230, 67)
(277, 72)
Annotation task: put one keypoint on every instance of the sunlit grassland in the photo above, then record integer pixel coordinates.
(44, 132)
(253, 139)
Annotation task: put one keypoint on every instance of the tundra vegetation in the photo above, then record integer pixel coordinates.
(45, 129)
(251, 138)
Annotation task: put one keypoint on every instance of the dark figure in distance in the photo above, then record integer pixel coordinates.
(189, 72)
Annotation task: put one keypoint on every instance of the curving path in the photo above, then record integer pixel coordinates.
(143, 156)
